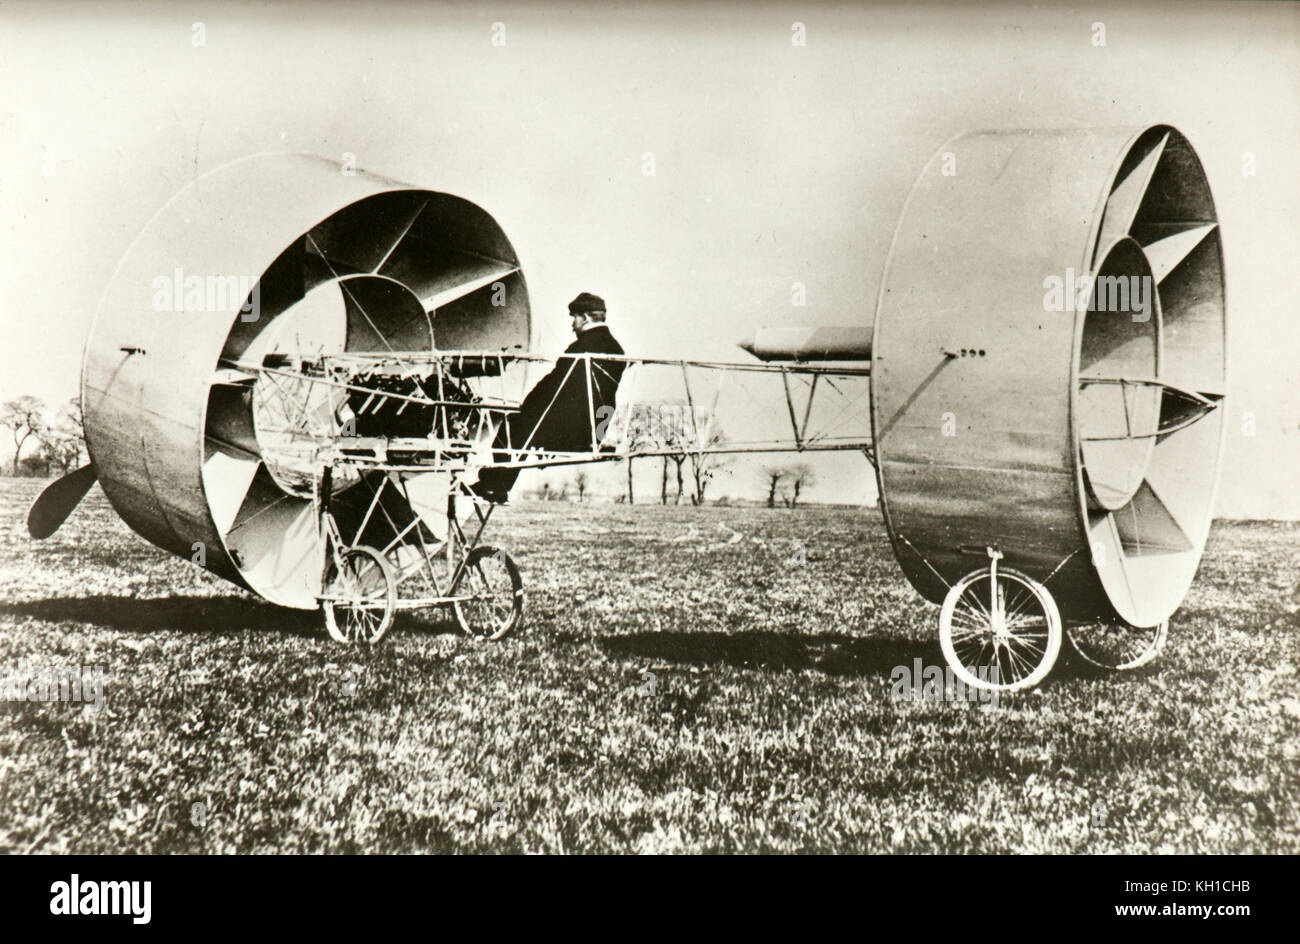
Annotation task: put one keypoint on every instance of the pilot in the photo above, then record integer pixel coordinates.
(557, 414)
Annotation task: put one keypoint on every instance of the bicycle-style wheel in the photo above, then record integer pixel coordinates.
(1001, 638)
(495, 592)
(1117, 647)
(360, 595)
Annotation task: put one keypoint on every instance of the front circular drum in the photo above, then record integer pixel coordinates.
(203, 422)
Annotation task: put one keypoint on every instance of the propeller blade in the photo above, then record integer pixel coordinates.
(1126, 199)
(470, 281)
(227, 478)
(54, 504)
(1165, 254)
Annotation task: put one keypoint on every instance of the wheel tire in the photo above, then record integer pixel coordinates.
(370, 593)
(1117, 647)
(967, 629)
(491, 574)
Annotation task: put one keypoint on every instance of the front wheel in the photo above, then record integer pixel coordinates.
(360, 595)
(495, 592)
(1002, 637)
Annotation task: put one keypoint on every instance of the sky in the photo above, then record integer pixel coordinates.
(774, 163)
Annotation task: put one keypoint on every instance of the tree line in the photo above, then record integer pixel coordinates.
(681, 437)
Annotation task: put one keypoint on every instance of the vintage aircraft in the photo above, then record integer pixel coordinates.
(1046, 453)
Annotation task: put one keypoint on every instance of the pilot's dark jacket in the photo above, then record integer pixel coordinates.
(558, 413)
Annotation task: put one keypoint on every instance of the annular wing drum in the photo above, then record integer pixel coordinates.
(1049, 367)
(268, 261)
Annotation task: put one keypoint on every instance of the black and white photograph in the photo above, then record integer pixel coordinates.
(650, 428)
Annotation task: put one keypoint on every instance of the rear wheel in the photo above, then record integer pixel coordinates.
(360, 595)
(495, 590)
(1000, 631)
(1117, 647)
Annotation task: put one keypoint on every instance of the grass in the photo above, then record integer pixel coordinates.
(675, 689)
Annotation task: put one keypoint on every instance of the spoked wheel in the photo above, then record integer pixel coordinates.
(1000, 630)
(360, 596)
(496, 591)
(1118, 647)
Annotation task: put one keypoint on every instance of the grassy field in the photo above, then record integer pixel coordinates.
(675, 689)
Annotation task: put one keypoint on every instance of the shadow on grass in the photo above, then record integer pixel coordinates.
(197, 614)
(1071, 668)
(833, 654)
(434, 621)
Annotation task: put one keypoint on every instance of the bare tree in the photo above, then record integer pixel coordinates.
(60, 447)
(801, 476)
(670, 432)
(580, 483)
(63, 440)
(71, 413)
(24, 418)
(633, 438)
(705, 435)
(772, 475)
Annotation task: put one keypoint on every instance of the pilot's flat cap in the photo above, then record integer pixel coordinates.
(586, 303)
